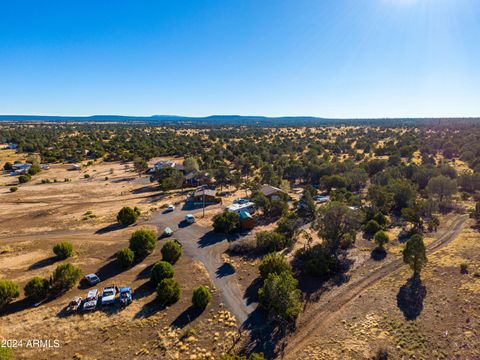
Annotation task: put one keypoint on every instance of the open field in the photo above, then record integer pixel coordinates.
(38, 216)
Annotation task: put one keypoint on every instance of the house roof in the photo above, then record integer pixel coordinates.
(268, 190)
(205, 191)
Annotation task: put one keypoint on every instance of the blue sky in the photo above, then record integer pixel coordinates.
(330, 58)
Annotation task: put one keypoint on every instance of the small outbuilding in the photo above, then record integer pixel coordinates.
(247, 222)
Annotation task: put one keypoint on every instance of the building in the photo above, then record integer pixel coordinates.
(20, 169)
(205, 195)
(247, 222)
(197, 178)
(239, 208)
(165, 164)
(272, 192)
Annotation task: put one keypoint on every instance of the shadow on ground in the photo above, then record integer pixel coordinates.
(145, 273)
(186, 317)
(410, 298)
(225, 270)
(212, 238)
(109, 228)
(149, 309)
(44, 262)
(314, 287)
(251, 293)
(378, 254)
(265, 336)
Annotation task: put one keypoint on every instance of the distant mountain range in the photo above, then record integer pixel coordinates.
(232, 120)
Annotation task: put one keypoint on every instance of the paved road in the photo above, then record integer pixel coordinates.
(202, 244)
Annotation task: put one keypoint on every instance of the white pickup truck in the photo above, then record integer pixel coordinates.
(109, 295)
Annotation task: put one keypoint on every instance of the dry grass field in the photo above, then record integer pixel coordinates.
(82, 211)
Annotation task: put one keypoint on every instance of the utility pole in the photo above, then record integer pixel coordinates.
(203, 192)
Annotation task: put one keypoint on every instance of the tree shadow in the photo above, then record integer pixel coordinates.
(378, 254)
(266, 337)
(144, 290)
(145, 273)
(15, 307)
(44, 262)
(109, 228)
(251, 292)
(109, 270)
(146, 189)
(212, 238)
(225, 270)
(410, 298)
(187, 317)
(314, 287)
(149, 309)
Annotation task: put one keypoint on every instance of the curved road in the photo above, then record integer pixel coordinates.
(201, 243)
(324, 311)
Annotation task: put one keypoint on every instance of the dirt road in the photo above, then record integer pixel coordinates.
(201, 243)
(318, 315)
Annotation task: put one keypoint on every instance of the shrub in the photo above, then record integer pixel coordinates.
(372, 227)
(280, 296)
(8, 166)
(22, 179)
(201, 297)
(63, 249)
(380, 219)
(273, 263)
(125, 258)
(270, 241)
(317, 261)
(278, 208)
(171, 251)
(226, 222)
(37, 288)
(381, 238)
(168, 291)
(86, 176)
(8, 292)
(6, 353)
(65, 276)
(13, 188)
(34, 169)
(142, 242)
(160, 271)
(127, 216)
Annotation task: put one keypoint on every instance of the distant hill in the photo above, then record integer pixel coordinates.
(237, 120)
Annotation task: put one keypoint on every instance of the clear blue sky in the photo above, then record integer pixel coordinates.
(330, 58)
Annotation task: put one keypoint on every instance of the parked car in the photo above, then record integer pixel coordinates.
(170, 208)
(109, 294)
(91, 300)
(92, 279)
(126, 296)
(74, 305)
(189, 219)
(167, 232)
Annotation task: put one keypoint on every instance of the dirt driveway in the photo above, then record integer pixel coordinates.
(201, 243)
